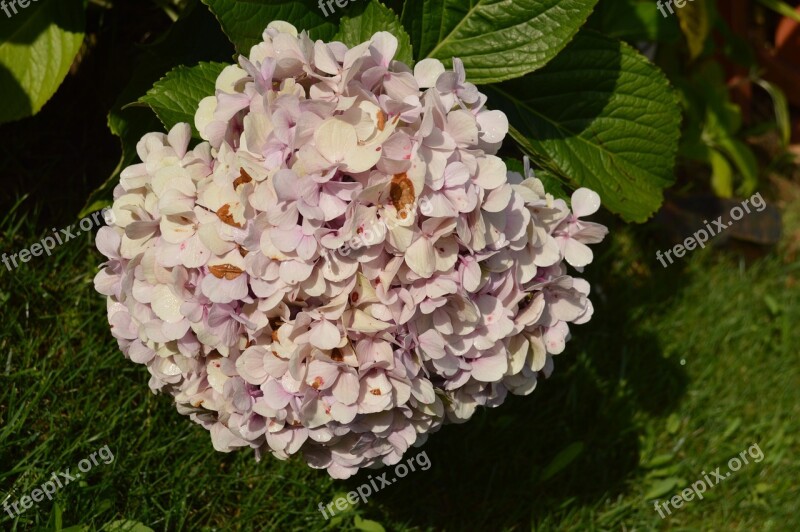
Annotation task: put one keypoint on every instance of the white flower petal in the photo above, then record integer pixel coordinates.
(585, 202)
(427, 72)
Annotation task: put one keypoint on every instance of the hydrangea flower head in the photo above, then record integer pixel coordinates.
(344, 264)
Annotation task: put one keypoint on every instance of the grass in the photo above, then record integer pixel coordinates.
(680, 370)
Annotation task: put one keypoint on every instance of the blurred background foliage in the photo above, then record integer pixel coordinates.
(734, 64)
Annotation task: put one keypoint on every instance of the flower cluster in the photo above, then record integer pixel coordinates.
(225, 276)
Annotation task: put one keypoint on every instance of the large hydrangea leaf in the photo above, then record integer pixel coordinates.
(601, 116)
(243, 21)
(633, 21)
(175, 97)
(37, 47)
(497, 39)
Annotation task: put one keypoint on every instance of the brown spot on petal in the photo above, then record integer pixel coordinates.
(337, 356)
(317, 383)
(354, 297)
(227, 271)
(401, 192)
(224, 214)
(375, 391)
(381, 120)
(243, 178)
(275, 324)
(243, 252)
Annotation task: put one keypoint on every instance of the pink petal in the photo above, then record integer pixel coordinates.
(325, 335)
(287, 240)
(431, 343)
(490, 368)
(321, 375)
(421, 258)
(108, 242)
(251, 365)
(346, 388)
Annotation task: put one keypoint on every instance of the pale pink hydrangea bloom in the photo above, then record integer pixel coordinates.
(344, 264)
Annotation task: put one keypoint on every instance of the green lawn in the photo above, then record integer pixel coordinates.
(679, 370)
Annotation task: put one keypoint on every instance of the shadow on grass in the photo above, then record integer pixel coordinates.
(494, 465)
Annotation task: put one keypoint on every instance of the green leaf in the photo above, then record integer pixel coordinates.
(773, 306)
(562, 460)
(673, 423)
(659, 461)
(762, 487)
(663, 487)
(244, 21)
(745, 161)
(497, 40)
(368, 526)
(721, 174)
(37, 47)
(55, 521)
(633, 21)
(781, 106)
(126, 525)
(732, 427)
(601, 116)
(176, 96)
(376, 17)
(343, 496)
(695, 21)
(663, 472)
(781, 8)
